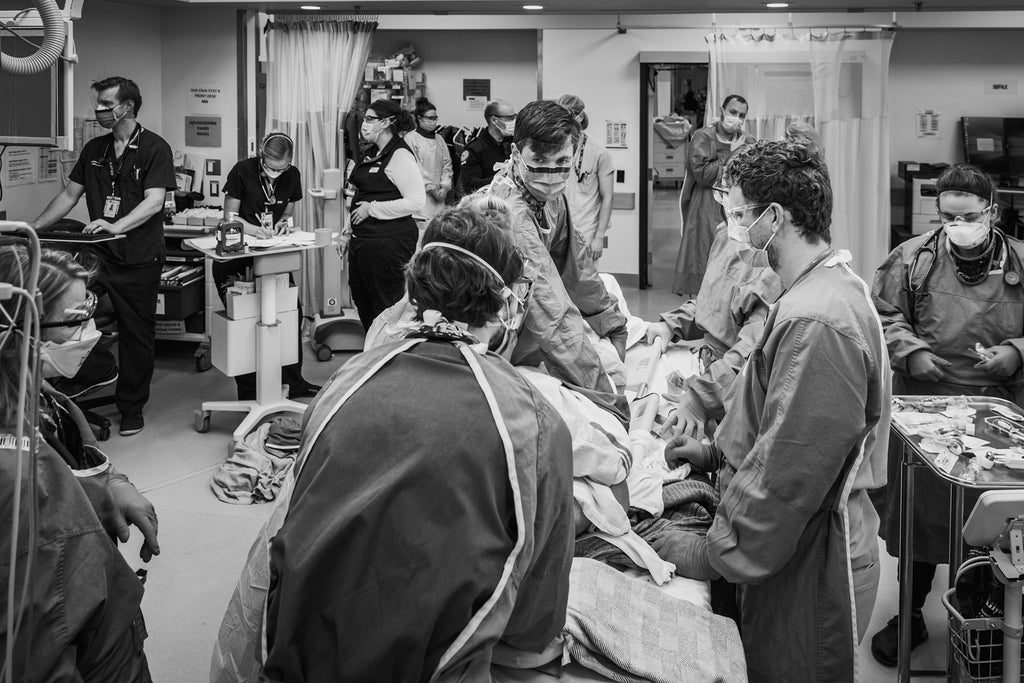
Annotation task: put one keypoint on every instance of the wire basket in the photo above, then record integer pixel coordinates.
(977, 643)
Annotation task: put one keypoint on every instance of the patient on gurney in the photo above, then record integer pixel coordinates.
(728, 315)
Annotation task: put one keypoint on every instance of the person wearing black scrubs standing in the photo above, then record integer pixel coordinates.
(388, 191)
(124, 176)
(261, 192)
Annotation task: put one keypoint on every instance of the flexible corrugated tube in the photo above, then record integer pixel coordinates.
(55, 33)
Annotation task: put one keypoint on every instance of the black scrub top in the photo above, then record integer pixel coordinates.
(146, 163)
(246, 184)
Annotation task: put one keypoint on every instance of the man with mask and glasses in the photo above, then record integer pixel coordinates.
(124, 176)
(952, 305)
(490, 149)
(567, 288)
(803, 437)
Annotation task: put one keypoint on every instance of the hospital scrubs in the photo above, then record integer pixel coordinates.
(804, 439)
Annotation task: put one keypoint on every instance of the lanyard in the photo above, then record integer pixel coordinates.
(268, 185)
(115, 174)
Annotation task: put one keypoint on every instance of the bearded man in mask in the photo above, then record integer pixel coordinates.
(952, 306)
(567, 289)
(124, 176)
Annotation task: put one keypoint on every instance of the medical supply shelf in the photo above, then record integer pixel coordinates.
(913, 457)
(184, 309)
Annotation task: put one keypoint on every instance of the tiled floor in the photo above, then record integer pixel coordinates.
(204, 542)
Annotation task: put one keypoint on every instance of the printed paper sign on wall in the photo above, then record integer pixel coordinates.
(202, 131)
(204, 97)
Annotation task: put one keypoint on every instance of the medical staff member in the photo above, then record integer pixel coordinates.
(84, 599)
(940, 295)
(567, 288)
(591, 182)
(709, 148)
(803, 437)
(407, 599)
(434, 160)
(489, 150)
(261, 192)
(389, 191)
(728, 316)
(124, 176)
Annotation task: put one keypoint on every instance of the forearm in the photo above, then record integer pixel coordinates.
(150, 206)
(58, 207)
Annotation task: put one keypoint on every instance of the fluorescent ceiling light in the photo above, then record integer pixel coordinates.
(309, 7)
(776, 5)
(533, 7)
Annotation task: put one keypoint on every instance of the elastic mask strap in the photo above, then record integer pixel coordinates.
(453, 247)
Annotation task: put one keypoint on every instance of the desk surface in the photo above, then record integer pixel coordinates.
(999, 476)
(208, 246)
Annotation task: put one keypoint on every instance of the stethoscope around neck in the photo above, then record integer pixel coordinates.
(928, 252)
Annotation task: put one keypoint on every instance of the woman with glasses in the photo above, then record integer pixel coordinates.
(433, 488)
(86, 622)
(433, 157)
(261, 192)
(952, 307)
(709, 148)
(389, 191)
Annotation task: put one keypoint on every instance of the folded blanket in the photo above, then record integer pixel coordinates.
(630, 631)
(258, 464)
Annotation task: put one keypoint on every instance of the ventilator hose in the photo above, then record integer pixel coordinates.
(55, 33)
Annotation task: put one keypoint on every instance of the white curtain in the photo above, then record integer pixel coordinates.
(314, 67)
(837, 81)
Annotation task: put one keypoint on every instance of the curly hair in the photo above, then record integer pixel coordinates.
(790, 174)
(455, 284)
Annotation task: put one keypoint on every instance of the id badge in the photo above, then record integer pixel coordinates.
(267, 221)
(111, 206)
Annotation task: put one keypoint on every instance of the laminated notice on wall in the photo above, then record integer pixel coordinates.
(928, 123)
(615, 134)
(19, 166)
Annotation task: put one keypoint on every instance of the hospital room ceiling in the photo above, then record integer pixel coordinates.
(472, 7)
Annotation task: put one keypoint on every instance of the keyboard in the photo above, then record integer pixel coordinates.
(65, 236)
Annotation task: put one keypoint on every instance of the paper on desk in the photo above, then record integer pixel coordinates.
(915, 423)
(291, 239)
(202, 242)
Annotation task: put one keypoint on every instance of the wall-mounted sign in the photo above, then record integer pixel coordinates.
(202, 131)
(1000, 87)
(204, 97)
(928, 121)
(476, 87)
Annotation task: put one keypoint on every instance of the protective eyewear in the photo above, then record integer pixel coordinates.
(370, 118)
(975, 217)
(735, 214)
(507, 119)
(721, 194)
(429, 118)
(270, 171)
(517, 300)
(78, 316)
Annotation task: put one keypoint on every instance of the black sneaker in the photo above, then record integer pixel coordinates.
(304, 390)
(131, 424)
(885, 643)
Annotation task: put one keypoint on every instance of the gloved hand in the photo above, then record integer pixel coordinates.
(686, 445)
(1002, 361)
(688, 552)
(618, 339)
(659, 329)
(440, 193)
(925, 365)
(131, 507)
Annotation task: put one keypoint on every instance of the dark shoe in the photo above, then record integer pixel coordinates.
(98, 371)
(131, 424)
(304, 390)
(885, 643)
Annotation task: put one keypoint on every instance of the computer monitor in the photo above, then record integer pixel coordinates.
(984, 144)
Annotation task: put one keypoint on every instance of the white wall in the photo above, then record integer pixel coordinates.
(112, 39)
(507, 58)
(946, 70)
(603, 68)
(199, 47)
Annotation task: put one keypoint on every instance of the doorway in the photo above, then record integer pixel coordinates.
(673, 98)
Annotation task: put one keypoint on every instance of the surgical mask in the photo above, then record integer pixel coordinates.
(544, 183)
(507, 128)
(513, 311)
(731, 122)
(741, 234)
(106, 118)
(272, 173)
(370, 131)
(966, 235)
(428, 125)
(65, 359)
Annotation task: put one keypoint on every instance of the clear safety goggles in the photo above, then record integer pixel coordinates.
(77, 316)
(517, 301)
(721, 195)
(734, 215)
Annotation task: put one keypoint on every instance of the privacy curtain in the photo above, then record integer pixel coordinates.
(837, 81)
(314, 67)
